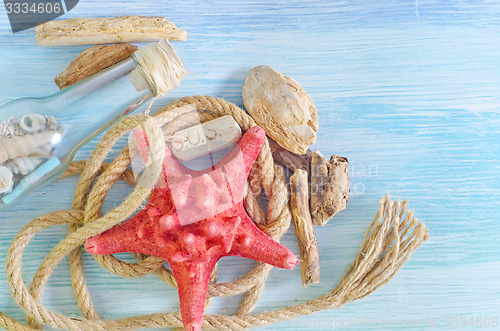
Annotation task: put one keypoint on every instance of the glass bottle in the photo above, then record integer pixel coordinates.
(40, 136)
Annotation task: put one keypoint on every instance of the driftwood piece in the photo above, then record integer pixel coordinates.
(93, 60)
(308, 245)
(329, 187)
(106, 30)
(289, 160)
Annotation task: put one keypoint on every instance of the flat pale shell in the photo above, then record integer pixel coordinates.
(281, 107)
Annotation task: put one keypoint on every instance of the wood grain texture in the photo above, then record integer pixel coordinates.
(407, 91)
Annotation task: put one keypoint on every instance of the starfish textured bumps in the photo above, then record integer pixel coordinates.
(195, 219)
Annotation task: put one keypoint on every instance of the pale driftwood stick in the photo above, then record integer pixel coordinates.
(289, 160)
(329, 186)
(93, 60)
(106, 30)
(299, 204)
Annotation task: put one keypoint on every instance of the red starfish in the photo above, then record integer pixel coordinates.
(194, 221)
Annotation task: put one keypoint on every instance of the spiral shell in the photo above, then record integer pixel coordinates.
(33, 122)
(6, 181)
(24, 165)
(42, 151)
(13, 147)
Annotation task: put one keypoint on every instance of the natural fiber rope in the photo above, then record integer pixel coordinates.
(390, 240)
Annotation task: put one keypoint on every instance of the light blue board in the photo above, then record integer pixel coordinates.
(408, 91)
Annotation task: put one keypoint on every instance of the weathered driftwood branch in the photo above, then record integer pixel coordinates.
(329, 190)
(289, 160)
(299, 204)
(91, 61)
(106, 30)
(329, 187)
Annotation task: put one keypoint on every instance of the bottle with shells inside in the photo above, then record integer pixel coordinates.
(40, 136)
(26, 142)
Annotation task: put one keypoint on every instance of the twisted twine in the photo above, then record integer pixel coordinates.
(390, 240)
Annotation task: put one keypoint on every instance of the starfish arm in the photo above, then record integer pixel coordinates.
(251, 144)
(252, 243)
(192, 283)
(121, 238)
(247, 149)
(173, 168)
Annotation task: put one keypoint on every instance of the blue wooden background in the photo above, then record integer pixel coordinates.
(407, 90)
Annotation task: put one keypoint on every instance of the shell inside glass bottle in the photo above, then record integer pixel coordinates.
(26, 143)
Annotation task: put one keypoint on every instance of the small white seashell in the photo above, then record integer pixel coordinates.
(7, 128)
(24, 165)
(51, 124)
(32, 123)
(5, 180)
(3, 132)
